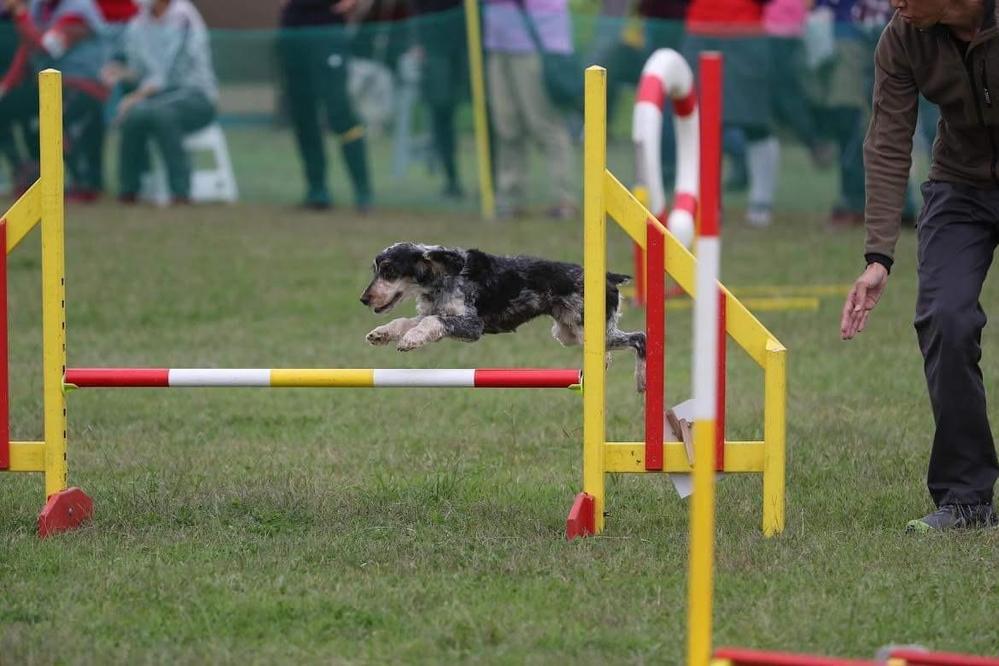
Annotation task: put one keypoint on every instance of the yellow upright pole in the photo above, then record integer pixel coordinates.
(53, 280)
(774, 437)
(477, 76)
(702, 545)
(594, 288)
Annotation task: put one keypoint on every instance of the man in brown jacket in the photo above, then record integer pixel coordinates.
(948, 50)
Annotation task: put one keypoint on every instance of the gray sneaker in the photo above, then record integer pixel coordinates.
(955, 516)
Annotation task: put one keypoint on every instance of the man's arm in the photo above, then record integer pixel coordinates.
(887, 157)
(888, 147)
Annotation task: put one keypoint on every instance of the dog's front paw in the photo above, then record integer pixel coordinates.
(409, 342)
(380, 336)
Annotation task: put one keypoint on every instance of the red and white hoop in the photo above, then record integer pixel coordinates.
(667, 75)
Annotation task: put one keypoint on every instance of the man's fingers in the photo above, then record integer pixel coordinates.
(859, 296)
(846, 322)
(863, 320)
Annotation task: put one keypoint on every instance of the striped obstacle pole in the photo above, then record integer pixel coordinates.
(510, 378)
(740, 657)
(897, 657)
(700, 581)
(666, 75)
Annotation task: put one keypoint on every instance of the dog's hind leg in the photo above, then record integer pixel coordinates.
(435, 327)
(617, 339)
(392, 331)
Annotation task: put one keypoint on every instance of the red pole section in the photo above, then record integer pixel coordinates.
(118, 377)
(711, 147)
(526, 378)
(4, 355)
(740, 657)
(917, 658)
(655, 344)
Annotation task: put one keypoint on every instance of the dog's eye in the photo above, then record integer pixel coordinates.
(389, 273)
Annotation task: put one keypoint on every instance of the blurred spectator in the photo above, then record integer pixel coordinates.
(118, 11)
(117, 14)
(841, 89)
(166, 70)
(784, 24)
(17, 141)
(618, 46)
(440, 27)
(67, 35)
(314, 50)
(735, 28)
(521, 107)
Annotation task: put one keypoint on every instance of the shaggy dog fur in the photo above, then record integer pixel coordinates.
(462, 294)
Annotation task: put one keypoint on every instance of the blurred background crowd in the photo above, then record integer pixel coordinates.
(366, 103)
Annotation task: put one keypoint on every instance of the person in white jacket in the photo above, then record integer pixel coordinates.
(165, 71)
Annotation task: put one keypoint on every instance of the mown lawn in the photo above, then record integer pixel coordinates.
(360, 526)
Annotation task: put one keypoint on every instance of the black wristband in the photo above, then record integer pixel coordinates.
(878, 258)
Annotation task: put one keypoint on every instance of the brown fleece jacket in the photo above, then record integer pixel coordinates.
(963, 83)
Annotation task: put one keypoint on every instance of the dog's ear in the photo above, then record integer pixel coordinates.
(443, 260)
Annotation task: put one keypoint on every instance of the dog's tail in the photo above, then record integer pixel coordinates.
(618, 278)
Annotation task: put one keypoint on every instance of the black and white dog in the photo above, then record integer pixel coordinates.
(462, 294)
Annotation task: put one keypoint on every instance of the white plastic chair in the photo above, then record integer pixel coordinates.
(213, 184)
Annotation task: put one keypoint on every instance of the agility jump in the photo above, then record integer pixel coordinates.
(42, 204)
(67, 508)
(604, 195)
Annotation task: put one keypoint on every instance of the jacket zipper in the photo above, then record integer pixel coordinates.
(987, 96)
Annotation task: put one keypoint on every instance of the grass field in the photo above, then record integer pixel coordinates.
(361, 526)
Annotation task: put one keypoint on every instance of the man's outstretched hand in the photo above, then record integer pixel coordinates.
(864, 295)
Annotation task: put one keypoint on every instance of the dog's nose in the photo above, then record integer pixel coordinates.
(365, 299)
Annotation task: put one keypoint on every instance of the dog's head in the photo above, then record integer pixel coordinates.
(405, 269)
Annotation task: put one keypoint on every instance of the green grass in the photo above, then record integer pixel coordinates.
(360, 526)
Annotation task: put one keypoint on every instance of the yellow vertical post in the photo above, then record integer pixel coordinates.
(702, 545)
(594, 288)
(53, 280)
(774, 437)
(477, 78)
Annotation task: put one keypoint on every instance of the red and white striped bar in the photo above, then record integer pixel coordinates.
(322, 378)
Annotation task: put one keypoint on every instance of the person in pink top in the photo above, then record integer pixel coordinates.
(735, 28)
(784, 24)
(522, 109)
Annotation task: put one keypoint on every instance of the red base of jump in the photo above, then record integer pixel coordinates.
(65, 510)
(740, 657)
(916, 658)
(582, 519)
